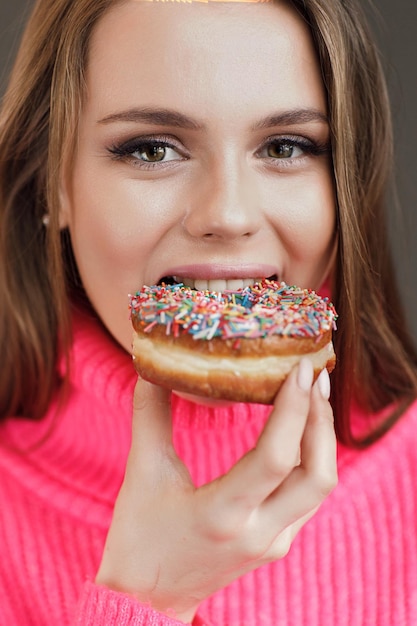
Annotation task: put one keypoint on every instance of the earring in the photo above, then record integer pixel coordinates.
(45, 220)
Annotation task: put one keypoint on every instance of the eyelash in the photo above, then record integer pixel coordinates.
(126, 150)
(308, 147)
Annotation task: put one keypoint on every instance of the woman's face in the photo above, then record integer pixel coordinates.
(203, 153)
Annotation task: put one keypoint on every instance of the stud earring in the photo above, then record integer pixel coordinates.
(45, 220)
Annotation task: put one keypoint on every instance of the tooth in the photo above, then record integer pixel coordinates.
(201, 285)
(234, 284)
(217, 284)
(248, 282)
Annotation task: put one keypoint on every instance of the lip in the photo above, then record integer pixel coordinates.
(211, 272)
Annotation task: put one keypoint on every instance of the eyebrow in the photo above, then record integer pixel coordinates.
(294, 116)
(162, 117)
(168, 117)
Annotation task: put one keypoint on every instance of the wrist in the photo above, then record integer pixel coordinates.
(174, 608)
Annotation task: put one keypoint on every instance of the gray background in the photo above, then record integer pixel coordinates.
(394, 24)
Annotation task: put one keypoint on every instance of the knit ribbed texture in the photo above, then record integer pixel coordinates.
(353, 564)
(106, 607)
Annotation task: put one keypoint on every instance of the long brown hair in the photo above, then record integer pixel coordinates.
(38, 118)
(377, 363)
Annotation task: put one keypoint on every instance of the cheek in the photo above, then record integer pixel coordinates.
(307, 225)
(310, 218)
(116, 228)
(105, 230)
(102, 246)
(108, 220)
(311, 234)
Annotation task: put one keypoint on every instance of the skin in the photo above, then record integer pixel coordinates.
(239, 193)
(221, 204)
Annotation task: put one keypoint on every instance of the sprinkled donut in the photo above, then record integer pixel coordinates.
(236, 345)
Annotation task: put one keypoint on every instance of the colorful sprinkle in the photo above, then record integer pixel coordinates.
(264, 309)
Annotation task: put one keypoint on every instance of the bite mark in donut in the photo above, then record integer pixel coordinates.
(235, 345)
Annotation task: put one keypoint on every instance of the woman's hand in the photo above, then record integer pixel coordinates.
(173, 545)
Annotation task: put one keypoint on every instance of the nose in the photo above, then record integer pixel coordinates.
(224, 205)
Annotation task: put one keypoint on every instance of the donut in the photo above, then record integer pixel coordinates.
(234, 345)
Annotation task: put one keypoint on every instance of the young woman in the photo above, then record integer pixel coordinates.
(214, 142)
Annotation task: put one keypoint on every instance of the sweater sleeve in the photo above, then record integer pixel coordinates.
(100, 606)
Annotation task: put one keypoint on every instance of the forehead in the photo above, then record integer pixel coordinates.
(234, 51)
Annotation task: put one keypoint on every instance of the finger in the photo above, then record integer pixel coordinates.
(152, 422)
(263, 469)
(281, 545)
(313, 479)
(276, 547)
(152, 454)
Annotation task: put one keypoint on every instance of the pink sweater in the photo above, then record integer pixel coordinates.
(353, 564)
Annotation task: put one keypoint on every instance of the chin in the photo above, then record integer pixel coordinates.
(203, 401)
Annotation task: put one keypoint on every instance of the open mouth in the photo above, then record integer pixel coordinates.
(215, 284)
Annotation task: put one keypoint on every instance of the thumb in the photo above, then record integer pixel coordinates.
(152, 420)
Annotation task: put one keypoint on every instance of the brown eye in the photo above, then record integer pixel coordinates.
(147, 152)
(281, 150)
(152, 153)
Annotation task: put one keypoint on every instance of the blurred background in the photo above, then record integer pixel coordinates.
(394, 27)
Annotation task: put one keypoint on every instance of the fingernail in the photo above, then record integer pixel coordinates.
(305, 374)
(323, 383)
